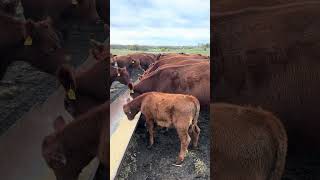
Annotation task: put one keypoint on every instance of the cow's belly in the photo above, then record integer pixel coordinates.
(164, 123)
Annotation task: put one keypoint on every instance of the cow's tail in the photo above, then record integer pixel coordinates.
(194, 126)
(280, 138)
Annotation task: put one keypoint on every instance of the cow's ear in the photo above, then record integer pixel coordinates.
(30, 26)
(59, 123)
(65, 75)
(130, 86)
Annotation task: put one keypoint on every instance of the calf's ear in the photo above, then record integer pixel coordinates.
(59, 123)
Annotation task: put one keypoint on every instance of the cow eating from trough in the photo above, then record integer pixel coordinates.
(32, 42)
(168, 110)
(84, 89)
(72, 146)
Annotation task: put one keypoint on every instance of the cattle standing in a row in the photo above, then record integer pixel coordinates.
(246, 143)
(33, 42)
(72, 146)
(168, 110)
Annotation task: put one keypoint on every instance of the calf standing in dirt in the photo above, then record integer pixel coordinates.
(168, 110)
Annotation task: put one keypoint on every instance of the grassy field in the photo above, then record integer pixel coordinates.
(157, 50)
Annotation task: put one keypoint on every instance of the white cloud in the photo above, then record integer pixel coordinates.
(160, 22)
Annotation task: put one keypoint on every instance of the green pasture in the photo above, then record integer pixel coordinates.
(203, 51)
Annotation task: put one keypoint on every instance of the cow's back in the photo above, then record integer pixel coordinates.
(272, 32)
(291, 92)
(165, 107)
(193, 79)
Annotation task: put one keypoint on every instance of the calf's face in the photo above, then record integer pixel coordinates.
(130, 112)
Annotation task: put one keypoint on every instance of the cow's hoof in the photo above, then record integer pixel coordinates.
(178, 163)
(149, 147)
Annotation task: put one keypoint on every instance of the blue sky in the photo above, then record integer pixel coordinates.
(160, 22)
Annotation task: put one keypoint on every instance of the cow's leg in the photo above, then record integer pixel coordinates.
(185, 141)
(195, 135)
(150, 126)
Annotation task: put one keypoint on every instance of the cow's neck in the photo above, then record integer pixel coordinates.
(83, 133)
(98, 74)
(136, 102)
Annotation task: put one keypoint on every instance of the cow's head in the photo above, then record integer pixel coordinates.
(130, 110)
(65, 165)
(134, 63)
(42, 46)
(122, 75)
(99, 50)
(75, 102)
(42, 36)
(84, 10)
(133, 92)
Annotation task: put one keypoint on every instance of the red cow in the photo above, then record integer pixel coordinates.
(119, 74)
(84, 89)
(168, 110)
(192, 79)
(71, 147)
(127, 62)
(145, 59)
(33, 42)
